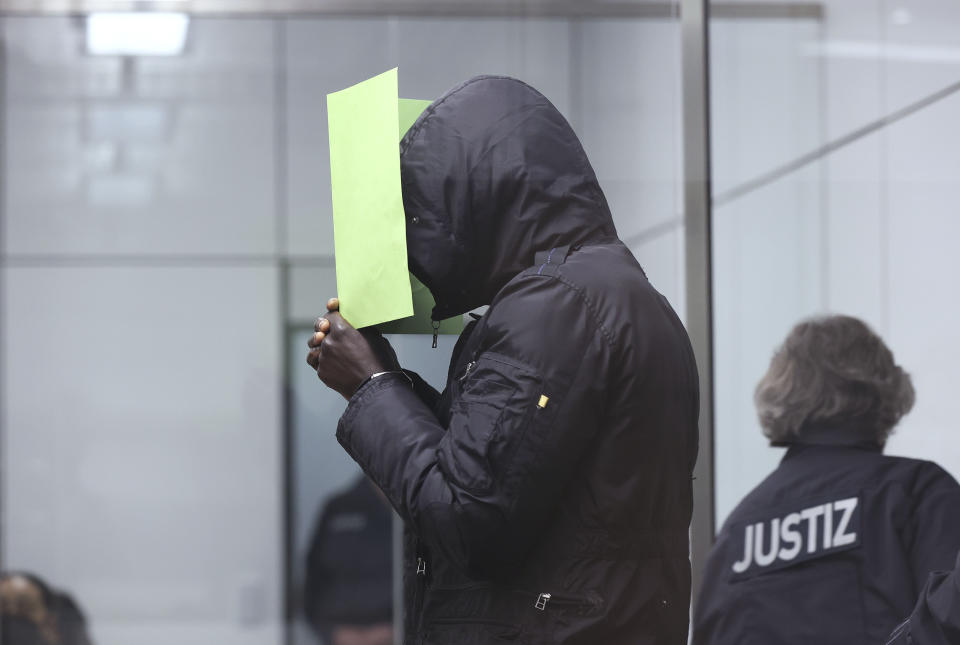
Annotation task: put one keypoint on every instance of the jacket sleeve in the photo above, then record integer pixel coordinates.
(424, 390)
(932, 535)
(936, 618)
(482, 489)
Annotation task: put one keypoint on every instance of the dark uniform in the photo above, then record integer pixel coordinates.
(936, 618)
(349, 565)
(832, 548)
(548, 491)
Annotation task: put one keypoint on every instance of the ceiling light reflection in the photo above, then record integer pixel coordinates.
(137, 34)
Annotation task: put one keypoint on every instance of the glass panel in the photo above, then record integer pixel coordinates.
(828, 199)
(139, 155)
(765, 111)
(140, 452)
(142, 356)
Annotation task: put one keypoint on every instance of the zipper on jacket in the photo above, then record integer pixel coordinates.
(467, 371)
(580, 603)
(419, 591)
(436, 332)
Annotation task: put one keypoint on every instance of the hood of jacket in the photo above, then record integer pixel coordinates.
(492, 173)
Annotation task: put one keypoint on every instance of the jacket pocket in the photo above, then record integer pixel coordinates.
(488, 415)
(458, 615)
(567, 604)
(471, 631)
(485, 613)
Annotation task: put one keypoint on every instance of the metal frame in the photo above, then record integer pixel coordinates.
(291, 594)
(288, 438)
(370, 8)
(694, 19)
(3, 293)
(431, 8)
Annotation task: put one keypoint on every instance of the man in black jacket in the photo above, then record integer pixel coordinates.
(548, 488)
(833, 547)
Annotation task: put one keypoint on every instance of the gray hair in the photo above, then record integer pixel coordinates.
(832, 373)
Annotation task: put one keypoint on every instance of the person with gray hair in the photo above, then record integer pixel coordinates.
(834, 545)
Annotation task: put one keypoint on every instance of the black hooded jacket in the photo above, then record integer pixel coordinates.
(547, 491)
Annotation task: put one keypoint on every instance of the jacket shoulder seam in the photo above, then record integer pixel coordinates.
(590, 305)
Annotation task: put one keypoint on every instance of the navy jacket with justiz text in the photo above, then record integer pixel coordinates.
(832, 548)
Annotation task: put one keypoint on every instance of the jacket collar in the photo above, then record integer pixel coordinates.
(850, 436)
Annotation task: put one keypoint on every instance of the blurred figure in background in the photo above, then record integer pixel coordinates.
(936, 618)
(834, 546)
(348, 594)
(32, 613)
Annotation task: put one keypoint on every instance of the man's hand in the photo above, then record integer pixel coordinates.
(344, 357)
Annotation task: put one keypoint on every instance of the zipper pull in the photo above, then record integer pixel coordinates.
(421, 567)
(436, 332)
(467, 371)
(542, 601)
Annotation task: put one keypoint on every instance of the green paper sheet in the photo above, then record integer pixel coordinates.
(420, 322)
(368, 221)
(373, 283)
(410, 110)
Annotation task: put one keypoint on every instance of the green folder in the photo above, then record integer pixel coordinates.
(373, 283)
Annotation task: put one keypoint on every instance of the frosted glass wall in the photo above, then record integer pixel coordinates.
(142, 372)
(866, 230)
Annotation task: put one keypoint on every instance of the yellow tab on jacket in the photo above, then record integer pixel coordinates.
(543, 401)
